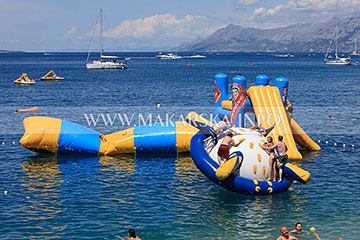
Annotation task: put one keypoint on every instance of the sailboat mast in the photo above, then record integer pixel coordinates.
(336, 42)
(101, 43)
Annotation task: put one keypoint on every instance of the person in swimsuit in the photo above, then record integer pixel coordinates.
(288, 107)
(282, 149)
(131, 235)
(272, 158)
(298, 229)
(285, 235)
(227, 142)
(214, 131)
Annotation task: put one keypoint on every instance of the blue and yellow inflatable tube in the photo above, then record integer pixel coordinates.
(44, 134)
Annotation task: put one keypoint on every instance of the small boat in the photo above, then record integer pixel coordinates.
(105, 62)
(24, 80)
(285, 55)
(188, 65)
(197, 56)
(340, 61)
(51, 76)
(170, 56)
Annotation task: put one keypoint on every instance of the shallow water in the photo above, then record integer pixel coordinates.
(69, 197)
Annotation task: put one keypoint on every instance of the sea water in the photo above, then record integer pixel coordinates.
(166, 197)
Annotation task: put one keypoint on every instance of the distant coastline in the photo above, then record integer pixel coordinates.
(9, 51)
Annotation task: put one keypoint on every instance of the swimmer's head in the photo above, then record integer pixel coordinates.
(280, 138)
(298, 226)
(132, 233)
(230, 134)
(284, 231)
(269, 139)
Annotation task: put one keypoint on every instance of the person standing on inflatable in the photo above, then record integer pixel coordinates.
(288, 107)
(281, 149)
(227, 142)
(272, 158)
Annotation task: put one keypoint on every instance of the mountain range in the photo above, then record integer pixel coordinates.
(304, 37)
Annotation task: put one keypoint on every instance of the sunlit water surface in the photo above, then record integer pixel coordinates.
(69, 197)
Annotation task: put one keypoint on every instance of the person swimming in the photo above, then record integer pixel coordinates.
(298, 229)
(342, 119)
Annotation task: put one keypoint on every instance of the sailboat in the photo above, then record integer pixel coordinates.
(105, 61)
(338, 60)
(355, 50)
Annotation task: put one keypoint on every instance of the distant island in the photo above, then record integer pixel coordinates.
(305, 37)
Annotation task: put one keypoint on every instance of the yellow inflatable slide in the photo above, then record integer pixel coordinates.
(270, 111)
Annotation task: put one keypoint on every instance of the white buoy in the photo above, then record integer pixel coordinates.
(5, 192)
(27, 197)
(335, 144)
(13, 142)
(326, 142)
(3, 143)
(319, 141)
(344, 145)
(353, 145)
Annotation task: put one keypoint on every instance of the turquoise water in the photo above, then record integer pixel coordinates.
(166, 197)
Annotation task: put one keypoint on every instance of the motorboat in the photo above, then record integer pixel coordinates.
(168, 56)
(285, 55)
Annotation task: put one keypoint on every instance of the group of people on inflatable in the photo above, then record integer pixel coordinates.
(277, 151)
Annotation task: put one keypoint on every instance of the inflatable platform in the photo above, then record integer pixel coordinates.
(247, 168)
(44, 134)
(268, 105)
(244, 172)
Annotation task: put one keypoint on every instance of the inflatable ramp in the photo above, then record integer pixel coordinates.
(269, 109)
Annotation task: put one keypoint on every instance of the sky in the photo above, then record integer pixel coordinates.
(67, 25)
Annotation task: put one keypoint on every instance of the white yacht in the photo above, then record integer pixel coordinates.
(168, 56)
(105, 61)
(329, 60)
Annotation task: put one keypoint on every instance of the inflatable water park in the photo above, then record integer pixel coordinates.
(247, 168)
